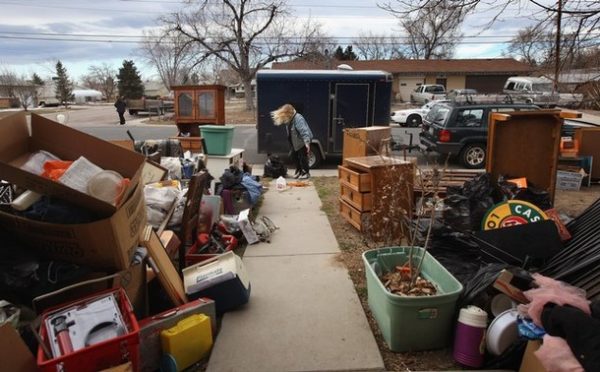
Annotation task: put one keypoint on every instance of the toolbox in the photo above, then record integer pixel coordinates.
(223, 279)
(90, 334)
(186, 343)
(151, 327)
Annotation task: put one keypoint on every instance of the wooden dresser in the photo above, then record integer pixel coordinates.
(376, 192)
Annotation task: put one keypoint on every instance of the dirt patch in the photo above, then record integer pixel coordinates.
(352, 244)
(235, 113)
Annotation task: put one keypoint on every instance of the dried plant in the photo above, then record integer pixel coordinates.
(395, 220)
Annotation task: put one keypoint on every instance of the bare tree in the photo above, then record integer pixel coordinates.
(170, 53)
(532, 45)
(577, 19)
(246, 35)
(432, 30)
(101, 78)
(19, 87)
(371, 46)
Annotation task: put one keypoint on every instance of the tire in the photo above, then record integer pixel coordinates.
(414, 120)
(473, 156)
(314, 158)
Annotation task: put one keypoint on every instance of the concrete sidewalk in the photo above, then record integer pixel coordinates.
(303, 314)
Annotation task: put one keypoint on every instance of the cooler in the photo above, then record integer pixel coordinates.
(186, 343)
(223, 279)
(151, 327)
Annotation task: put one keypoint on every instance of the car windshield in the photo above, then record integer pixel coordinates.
(542, 87)
(437, 114)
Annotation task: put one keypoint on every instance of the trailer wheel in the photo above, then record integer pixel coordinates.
(314, 158)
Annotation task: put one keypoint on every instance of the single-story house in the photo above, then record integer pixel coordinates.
(576, 80)
(486, 75)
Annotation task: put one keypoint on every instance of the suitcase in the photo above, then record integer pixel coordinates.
(150, 328)
(186, 343)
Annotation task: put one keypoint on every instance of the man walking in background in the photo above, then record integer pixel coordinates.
(121, 105)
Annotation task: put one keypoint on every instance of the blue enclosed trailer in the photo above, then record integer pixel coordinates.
(330, 100)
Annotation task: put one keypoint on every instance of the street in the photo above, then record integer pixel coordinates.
(102, 121)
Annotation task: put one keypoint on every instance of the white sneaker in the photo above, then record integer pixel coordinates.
(304, 176)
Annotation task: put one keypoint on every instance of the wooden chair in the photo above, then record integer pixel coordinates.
(191, 212)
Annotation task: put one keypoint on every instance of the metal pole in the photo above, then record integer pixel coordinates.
(557, 52)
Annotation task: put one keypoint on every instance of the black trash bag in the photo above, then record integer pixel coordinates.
(479, 291)
(510, 359)
(467, 205)
(274, 167)
(457, 213)
(231, 177)
(532, 194)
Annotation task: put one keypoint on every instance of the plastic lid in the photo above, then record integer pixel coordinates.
(106, 186)
(502, 332)
(473, 316)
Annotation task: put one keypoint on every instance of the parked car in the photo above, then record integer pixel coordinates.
(428, 92)
(413, 117)
(461, 129)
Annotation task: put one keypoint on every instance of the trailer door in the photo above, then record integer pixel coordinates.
(350, 110)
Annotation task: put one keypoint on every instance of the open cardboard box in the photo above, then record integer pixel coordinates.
(17, 145)
(108, 243)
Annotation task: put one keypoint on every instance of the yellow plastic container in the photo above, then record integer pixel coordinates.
(189, 341)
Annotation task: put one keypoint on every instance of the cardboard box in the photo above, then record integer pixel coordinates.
(14, 354)
(530, 362)
(17, 145)
(105, 244)
(246, 227)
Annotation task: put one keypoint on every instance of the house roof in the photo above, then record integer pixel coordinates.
(488, 66)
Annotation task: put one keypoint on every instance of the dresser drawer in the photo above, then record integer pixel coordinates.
(359, 200)
(358, 181)
(353, 216)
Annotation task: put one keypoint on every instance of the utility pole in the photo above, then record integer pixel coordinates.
(557, 51)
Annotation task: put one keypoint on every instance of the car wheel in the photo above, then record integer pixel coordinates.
(473, 156)
(314, 158)
(414, 120)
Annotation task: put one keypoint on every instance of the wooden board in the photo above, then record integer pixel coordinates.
(163, 267)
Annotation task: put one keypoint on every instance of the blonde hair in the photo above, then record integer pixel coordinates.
(283, 115)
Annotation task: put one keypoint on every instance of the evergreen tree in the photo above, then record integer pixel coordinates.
(345, 54)
(37, 80)
(64, 86)
(130, 83)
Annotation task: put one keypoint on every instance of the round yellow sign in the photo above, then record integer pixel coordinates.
(512, 213)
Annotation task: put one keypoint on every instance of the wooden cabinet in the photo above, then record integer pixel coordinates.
(198, 104)
(589, 145)
(376, 195)
(525, 144)
(365, 141)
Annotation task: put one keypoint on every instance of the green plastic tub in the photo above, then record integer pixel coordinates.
(411, 323)
(218, 138)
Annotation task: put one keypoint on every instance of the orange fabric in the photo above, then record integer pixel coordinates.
(54, 169)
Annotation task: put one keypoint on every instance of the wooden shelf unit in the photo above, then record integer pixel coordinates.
(376, 193)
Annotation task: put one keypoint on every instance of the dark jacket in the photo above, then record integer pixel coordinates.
(120, 105)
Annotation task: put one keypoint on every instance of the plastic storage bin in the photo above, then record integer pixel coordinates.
(411, 323)
(568, 180)
(187, 342)
(218, 138)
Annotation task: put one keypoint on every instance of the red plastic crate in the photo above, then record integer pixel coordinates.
(100, 356)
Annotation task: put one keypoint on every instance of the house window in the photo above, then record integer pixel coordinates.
(441, 81)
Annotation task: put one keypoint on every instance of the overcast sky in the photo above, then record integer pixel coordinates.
(27, 27)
